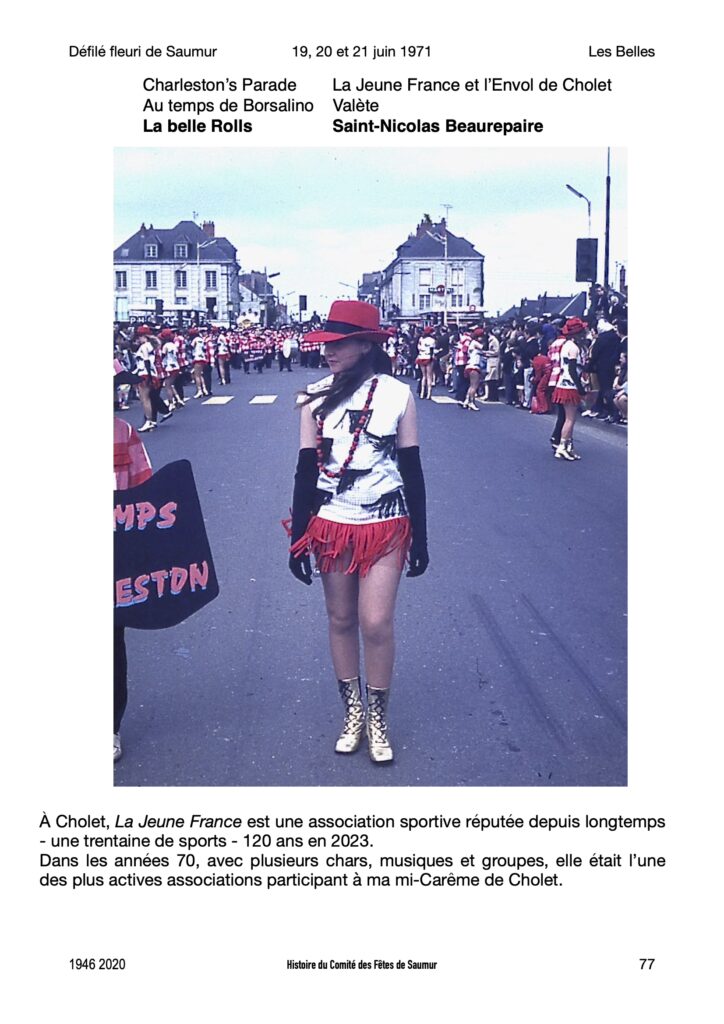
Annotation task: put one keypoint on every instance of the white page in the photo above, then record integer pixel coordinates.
(630, 941)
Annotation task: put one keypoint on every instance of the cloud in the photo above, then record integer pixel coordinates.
(321, 216)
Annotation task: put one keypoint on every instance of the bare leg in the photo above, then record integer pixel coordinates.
(144, 393)
(430, 376)
(341, 593)
(567, 431)
(377, 595)
(473, 388)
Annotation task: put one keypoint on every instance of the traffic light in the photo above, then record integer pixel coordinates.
(586, 259)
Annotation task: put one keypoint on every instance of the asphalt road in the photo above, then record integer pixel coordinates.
(511, 649)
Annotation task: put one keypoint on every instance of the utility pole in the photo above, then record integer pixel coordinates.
(447, 208)
(608, 221)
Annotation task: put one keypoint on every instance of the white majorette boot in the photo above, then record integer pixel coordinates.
(562, 452)
(354, 715)
(379, 744)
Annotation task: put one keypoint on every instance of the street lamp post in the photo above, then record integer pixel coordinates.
(588, 202)
(447, 207)
(606, 248)
(283, 302)
(199, 247)
(443, 241)
(268, 295)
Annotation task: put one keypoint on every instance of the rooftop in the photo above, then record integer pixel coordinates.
(202, 243)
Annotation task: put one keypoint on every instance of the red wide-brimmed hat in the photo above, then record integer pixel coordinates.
(348, 319)
(143, 329)
(478, 332)
(573, 326)
(166, 334)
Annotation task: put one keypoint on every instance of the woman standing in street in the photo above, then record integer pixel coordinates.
(569, 390)
(359, 508)
(425, 356)
(200, 362)
(492, 374)
(474, 368)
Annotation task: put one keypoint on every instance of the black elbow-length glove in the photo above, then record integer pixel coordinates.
(305, 486)
(408, 460)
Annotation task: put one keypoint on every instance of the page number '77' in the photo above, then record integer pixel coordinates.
(646, 963)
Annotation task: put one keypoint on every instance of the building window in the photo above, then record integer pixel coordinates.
(425, 300)
(151, 279)
(180, 278)
(150, 251)
(180, 251)
(456, 276)
(121, 279)
(412, 300)
(425, 277)
(181, 300)
(210, 279)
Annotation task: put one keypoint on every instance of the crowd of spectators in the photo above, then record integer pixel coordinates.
(519, 356)
(512, 361)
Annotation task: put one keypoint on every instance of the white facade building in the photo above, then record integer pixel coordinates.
(250, 306)
(164, 272)
(435, 273)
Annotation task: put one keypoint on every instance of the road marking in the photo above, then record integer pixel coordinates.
(263, 400)
(219, 400)
(444, 400)
(301, 398)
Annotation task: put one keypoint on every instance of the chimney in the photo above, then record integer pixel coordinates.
(142, 229)
(424, 226)
(208, 228)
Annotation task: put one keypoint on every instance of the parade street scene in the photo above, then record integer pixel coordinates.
(370, 455)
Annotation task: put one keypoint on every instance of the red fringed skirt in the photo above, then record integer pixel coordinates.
(366, 543)
(566, 396)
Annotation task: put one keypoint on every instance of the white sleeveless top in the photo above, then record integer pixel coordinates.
(371, 489)
(425, 347)
(475, 354)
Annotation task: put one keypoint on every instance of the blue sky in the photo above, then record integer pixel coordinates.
(324, 216)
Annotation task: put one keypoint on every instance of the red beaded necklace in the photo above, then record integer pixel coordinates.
(361, 423)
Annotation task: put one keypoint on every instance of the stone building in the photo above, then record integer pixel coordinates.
(175, 273)
(434, 276)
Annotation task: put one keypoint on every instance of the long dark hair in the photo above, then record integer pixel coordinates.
(375, 361)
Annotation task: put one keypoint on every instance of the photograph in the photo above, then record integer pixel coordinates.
(327, 573)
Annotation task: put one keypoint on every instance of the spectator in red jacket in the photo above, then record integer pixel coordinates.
(542, 369)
